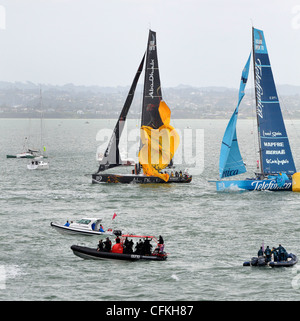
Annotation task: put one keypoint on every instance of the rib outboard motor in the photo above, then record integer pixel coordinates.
(117, 232)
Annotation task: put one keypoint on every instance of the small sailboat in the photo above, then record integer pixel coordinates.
(276, 164)
(159, 140)
(38, 162)
(28, 153)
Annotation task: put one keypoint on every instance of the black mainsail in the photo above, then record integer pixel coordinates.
(111, 156)
(152, 87)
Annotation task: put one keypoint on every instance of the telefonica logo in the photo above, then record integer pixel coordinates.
(272, 185)
(230, 172)
(259, 90)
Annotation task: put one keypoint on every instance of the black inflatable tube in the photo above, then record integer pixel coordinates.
(86, 252)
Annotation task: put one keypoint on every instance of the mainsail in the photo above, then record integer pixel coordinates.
(159, 140)
(275, 152)
(111, 156)
(231, 162)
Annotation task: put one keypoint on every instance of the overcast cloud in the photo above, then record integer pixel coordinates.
(101, 42)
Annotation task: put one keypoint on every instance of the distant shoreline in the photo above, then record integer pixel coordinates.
(133, 118)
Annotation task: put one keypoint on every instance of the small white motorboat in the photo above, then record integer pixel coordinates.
(85, 226)
(38, 163)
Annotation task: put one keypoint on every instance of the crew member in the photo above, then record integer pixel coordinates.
(268, 254)
(260, 252)
(275, 254)
(147, 247)
(139, 247)
(100, 246)
(107, 245)
(281, 253)
(118, 247)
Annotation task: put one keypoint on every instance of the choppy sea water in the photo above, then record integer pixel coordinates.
(208, 235)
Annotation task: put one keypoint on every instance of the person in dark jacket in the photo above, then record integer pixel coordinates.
(160, 240)
(100, 246)
(268, 254)
(139, 247)
(282, 254)
(147, 247)
(107, 245)
(260, 252)
(275, 254)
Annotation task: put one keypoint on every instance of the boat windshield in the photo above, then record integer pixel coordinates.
(84, 221)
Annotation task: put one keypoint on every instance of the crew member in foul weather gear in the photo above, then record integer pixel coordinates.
(260, 252)
(118, 247)
(101, 228)
(282, 254)
(127, 246)
(139, 247)
(100, 246)
(268, 254)
(160, 240)
(275, 254)
(147, 247)
(107, 245)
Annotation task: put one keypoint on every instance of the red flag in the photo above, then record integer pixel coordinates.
(114, 215)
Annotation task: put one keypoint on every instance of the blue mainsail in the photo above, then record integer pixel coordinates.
(275, 151)
(231, 162)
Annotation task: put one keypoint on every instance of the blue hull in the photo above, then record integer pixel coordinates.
(253, 185)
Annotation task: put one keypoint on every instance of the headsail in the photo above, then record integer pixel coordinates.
(111, 156)
(275, 152)
(159, 140)
(231, 162)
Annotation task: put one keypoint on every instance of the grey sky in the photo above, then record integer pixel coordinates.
(101, 42)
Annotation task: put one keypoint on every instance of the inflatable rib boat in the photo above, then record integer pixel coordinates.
(90, 253)
(120, 253)
(292, 259)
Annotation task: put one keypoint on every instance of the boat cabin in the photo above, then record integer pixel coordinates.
(88, 223)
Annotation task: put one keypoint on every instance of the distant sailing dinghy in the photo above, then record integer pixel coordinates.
(159, 140)
(276, 165)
